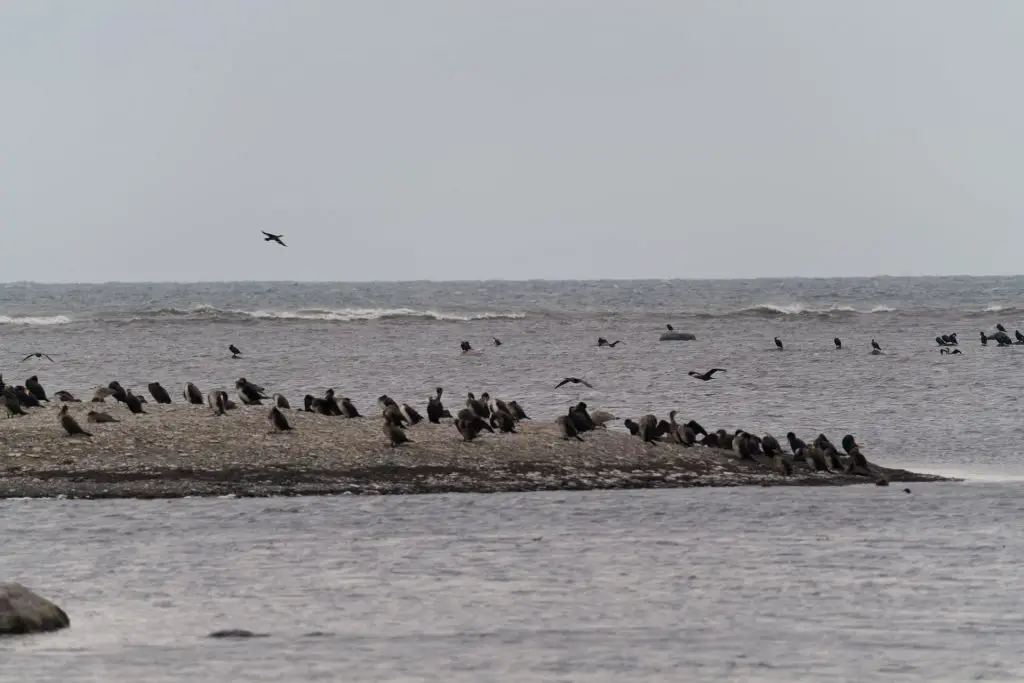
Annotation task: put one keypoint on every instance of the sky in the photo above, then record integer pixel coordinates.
(452, 140)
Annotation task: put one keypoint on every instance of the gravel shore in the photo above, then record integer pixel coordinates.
(179, 450)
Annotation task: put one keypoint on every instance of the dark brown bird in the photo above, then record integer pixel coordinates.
(69, 423)
(36, 389)
(158, 393)
(192, 394)
(235, 353)
(705, 376)
(395, 433)
(133, 403)
(278, 420)
(574, 380)
(270, 237)
(99, 417)
(568, 430)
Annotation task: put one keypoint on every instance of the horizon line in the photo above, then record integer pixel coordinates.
(511, 280)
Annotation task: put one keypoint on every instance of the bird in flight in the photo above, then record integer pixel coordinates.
(574, 380)
(235, 353)
(270, 237)
(36, 355)
(705, 376)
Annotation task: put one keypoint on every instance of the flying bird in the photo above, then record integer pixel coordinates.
(36, 355)
(707, 375)
(270, 237)
(574, 380)
(235, 353)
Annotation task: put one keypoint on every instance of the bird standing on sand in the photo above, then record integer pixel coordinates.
(778, 343)
(69, 423)
(37, 354)
(574, 380)
(235, 353)
(278, 420)
(709, 375)
(270, 237)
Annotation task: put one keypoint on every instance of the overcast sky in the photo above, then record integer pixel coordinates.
(463, 140)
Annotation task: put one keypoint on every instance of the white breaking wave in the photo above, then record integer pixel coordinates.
(34, 320)
(208, 312)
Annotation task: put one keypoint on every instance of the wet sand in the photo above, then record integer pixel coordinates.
(178, 450)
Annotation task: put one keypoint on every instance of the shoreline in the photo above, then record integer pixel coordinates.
(178, 451)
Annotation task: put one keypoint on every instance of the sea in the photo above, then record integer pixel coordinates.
(775, 584)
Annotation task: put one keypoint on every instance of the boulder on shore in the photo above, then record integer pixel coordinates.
(22, 611)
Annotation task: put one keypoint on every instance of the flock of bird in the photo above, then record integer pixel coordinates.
(478, 415)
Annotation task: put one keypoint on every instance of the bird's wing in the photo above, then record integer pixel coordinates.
(586, 383)
(281, 242)
(564, 381)
(48, 358)
(266, 233)
(714, 370)
(27, 357)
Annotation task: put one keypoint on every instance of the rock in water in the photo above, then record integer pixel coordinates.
(22, 611)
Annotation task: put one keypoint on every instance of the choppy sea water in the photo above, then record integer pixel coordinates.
(787, 585)
(764, 585)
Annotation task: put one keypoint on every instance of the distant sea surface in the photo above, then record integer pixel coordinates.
(859, 583)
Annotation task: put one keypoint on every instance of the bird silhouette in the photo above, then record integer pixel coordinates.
(235, 353)
(706, 375)
(778, 343)
(601, 341)
(270, 237)
(37, 354)
(497, 342)
(838, 342)
(875, 346)
(574, 380)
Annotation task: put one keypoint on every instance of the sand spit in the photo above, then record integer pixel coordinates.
(180, 450)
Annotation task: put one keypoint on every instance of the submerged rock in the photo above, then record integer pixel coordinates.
(677, 336)
(22, 611)
(236, 633)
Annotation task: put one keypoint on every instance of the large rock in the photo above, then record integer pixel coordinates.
(677, 336)
(22, 611)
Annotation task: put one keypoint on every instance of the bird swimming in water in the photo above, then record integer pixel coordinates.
(270, 237)
(670, 328)
(574, 380)
(778, 343)
(37, 354)
(838, 342)
(601, 341)
(69, 423)
(875, 346)
(706, 376)
(497, 342)
(235, 353)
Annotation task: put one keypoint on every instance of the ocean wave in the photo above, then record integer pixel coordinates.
(34, 320)
(209, 313)
(991, 309)
(797, 309)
